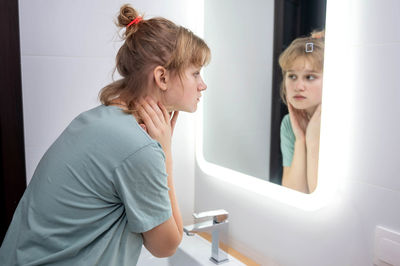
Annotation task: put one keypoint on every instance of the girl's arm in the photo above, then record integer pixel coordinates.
(295, 175)
(312, 143)
(162, 240)
(312, 167)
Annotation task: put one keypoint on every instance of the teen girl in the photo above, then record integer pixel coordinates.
(105, 186)
(301, 90)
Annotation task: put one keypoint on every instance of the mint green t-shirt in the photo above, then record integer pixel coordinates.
(287, 141)
(97, 188)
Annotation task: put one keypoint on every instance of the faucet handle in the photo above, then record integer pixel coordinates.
(218, 215)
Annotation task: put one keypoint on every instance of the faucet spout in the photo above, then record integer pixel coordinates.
(219, 219)
(217, 215)
(202, 227)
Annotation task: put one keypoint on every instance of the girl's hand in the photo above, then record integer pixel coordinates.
(299, 121)
(157, 121)
(313, 128)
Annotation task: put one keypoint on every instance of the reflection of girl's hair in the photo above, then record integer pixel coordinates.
(150, 43)
(310, 48)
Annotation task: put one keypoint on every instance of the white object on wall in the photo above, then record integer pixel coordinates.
(387, 247)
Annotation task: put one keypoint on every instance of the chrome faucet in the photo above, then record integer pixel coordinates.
(219, 220)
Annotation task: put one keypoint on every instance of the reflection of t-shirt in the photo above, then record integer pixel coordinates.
(100, 184)
(287, 141)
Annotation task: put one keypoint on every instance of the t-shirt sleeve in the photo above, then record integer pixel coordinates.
(141, 184)
(287, 141)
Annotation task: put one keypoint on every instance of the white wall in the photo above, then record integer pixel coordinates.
(365, 96)
(68, 49)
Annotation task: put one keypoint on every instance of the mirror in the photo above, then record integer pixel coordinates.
(242, 106)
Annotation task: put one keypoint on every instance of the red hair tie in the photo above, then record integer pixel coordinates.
(135, 21)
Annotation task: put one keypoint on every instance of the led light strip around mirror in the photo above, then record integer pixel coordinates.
(336, 52)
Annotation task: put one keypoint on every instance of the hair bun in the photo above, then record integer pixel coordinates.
(126, 15)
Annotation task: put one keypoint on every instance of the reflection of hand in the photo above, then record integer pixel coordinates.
(313, 128)
(157, 121)
(299, 121)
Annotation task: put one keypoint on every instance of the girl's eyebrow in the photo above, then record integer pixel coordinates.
(306, 71)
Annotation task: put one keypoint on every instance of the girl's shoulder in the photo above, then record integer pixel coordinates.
(286, 125)
(285, 121)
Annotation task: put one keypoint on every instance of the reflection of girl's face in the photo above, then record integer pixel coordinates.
(303, 85)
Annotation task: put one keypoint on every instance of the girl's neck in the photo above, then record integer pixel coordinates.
(119, 103)
(124, 106)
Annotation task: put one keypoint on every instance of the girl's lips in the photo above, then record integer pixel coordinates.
(299, 97)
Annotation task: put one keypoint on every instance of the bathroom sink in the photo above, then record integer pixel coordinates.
(193, 251)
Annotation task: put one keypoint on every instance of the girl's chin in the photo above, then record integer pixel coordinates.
(303, 106)
(300, 106)
(191, 110)
(187, 109)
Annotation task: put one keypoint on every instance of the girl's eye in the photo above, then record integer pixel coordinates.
(310, 77)
(196, 73)
(292, 76)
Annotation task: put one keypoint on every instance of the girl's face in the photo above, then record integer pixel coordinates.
(184, 93)
(303, 86)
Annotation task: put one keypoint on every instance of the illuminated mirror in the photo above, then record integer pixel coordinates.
(242, 110)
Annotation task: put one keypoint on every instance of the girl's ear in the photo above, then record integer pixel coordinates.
(161, 77)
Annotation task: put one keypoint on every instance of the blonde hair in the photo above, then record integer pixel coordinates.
(150, 43)
(297, 49)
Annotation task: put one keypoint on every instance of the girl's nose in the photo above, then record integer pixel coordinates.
(299, 86)
(202, 86)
